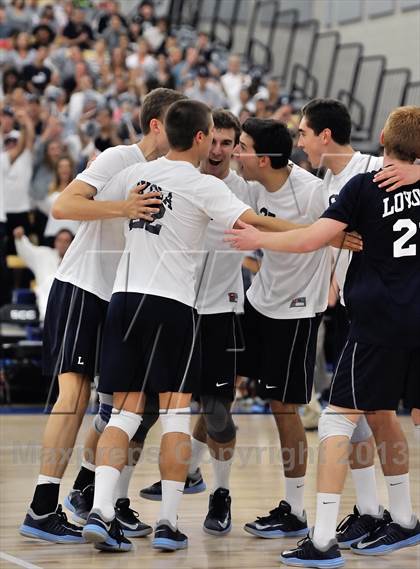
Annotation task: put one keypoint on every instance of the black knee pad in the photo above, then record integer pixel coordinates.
(150, 416)
(216, 412)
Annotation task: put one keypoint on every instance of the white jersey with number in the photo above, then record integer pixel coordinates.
(92, 259)
(162, 257)
(289, 285)
(219, 280)
(333, 183)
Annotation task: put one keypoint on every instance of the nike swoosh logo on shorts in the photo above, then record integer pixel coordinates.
(221, 384)
(270, 386)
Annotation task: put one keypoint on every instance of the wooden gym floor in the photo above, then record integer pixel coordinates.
(256, 487)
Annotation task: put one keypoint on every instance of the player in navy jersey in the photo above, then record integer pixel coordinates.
(325, 135)
(380, 363)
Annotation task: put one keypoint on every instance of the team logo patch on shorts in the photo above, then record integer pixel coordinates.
(298, 302)
(233, 297)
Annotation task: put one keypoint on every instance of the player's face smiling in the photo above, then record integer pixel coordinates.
(247, 158)
(310, 143)
(221, 151)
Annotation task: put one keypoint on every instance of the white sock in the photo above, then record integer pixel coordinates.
(295, 489)
(106, 480)
(121, 490)
(221, 472)
(42, 479)
(172, 491)
(198, 449)
(327, 506)
(417, 434)
(399, 499)
(364, 481)
(88, 465)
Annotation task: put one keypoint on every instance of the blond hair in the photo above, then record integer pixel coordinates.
(402, 133)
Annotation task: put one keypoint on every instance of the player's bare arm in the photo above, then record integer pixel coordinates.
(304, 240)
(76, 202)
(350, 241)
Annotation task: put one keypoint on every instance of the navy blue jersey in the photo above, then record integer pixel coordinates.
(382, 288)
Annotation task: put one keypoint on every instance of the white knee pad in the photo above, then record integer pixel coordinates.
(362, 432)
(175, 420)
(126, 421)
(333, 424)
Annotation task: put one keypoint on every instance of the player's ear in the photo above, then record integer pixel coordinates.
(381, 138)
(264, 161)
(326, 136)
(155, 126)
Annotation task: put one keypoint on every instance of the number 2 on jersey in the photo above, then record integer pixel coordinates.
(400, 250)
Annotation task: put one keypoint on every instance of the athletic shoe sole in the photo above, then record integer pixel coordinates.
(217, 532)
(137, 533)
(276, 534)
(317, 563)
(158, 497)
(382, 549)
(72, 509)
(114, 547)
(165, 544)
(28, 531)
(94, 534)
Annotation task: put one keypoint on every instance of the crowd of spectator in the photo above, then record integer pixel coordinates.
(73, 75)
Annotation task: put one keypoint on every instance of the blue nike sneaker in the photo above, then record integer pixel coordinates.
(51, 527)
(168, 538)
(107, 536)
(307, 555)
(387, 538)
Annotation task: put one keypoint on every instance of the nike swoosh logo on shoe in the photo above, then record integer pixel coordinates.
(224, 524)
(260, 527)
(127, 525)
(366, 544)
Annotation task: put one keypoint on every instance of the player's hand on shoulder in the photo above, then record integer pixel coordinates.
(396, 175)
(141, 206)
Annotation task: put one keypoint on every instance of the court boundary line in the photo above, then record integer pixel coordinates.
(18, 561)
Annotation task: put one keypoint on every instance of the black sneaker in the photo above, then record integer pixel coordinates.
(51, 527)
(107, 536)
(388, 537)
(307, 555)
(168, 538)
(279, 523)
(80, 503)
(357, 526)
(218, 520)
(129, 520)
(194, 484)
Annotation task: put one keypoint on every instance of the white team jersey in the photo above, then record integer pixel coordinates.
(91, 260)
(219, 282)
(359, 164)
(4, 167)
(17, 181)
(161, 258)
(290, 285)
